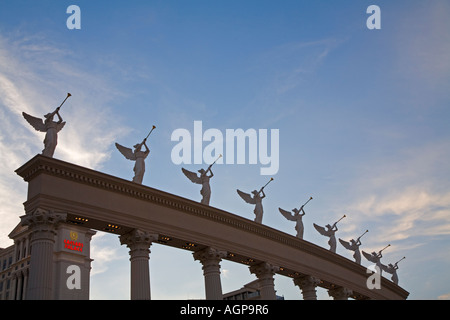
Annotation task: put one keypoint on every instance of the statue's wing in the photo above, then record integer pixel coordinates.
(192, 176)
(60, 126)
(127, 152)
(287, 214)
(369, 257)
(247, 198)
(36, 123)
(346, 244)
(320, 229)
(386, 268)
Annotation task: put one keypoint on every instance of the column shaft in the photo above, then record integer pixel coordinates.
(139, 243)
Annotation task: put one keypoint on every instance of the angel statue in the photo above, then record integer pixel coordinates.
(256, 200)
(353, 245)
(392, 269)
(329, 232)
(203, 179)
(138, 156)
(376, 258)
(50, 127)
(297, 217)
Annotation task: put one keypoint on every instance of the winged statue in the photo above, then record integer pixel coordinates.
(328, 232)
(353, 245)
(375, 258)
(392, 269)
(256, 199)
(50, 127)
(297, 217)
(202, 179)
(138, 156)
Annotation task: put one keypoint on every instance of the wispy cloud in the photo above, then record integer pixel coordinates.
(34, 78)
(37, 86)
(407, 199)
(444, 296)
(288, 64)
(104, 253)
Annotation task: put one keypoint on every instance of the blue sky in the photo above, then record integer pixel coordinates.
(363, 118)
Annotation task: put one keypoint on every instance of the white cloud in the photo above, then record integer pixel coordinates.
(406, 198)
(225, 273)
(104, 254)
(444, 296)
(34, 78)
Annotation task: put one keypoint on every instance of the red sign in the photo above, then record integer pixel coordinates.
(72, 245)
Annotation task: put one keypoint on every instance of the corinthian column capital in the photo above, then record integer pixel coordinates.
(264, 270)
(209, 254)
(138, 241)
(308, 286)
(43, 221)
(138, 236)
(340, 293)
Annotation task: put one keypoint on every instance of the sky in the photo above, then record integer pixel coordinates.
(362, 117)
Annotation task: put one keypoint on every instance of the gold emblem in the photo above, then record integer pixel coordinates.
(73, 235)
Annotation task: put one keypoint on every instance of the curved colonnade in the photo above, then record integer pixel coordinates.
(61, 192)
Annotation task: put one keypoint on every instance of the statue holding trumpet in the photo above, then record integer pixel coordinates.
(375, 257)
(256, 200)
(392, 269)
(297, 217)
(203, 179)
(50, 127)
(329, 232)
(353, 245)
(138, 156)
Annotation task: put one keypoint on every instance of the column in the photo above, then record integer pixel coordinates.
(340, 293)
(265, 272)
(139, 243)
(25, 283)
(308, 286)
(42, 224)
(19, 286)
(16, 248)
(210, 258)
(12, 293)
(27, 247)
